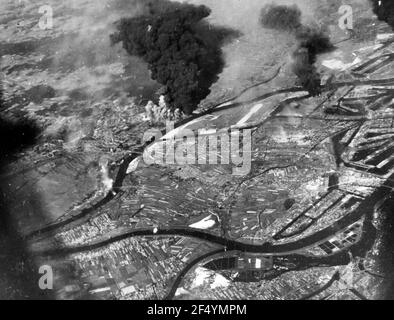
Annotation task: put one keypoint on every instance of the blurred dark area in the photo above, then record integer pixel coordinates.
(18, 274)
(384, 9)
(387, 247)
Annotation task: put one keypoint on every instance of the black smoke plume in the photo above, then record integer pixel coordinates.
(384, 9)
(312, 41)
(183, 52)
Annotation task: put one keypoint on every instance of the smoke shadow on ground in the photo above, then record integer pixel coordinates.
(18, 274)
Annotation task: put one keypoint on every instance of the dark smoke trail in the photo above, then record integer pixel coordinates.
(183, 53)
(312, 41)
(384, 9)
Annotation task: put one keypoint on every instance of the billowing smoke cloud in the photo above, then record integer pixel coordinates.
(183, 52)
(281, 17)
(384, 9)
(312, 41)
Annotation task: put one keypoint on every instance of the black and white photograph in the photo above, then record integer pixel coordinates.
(196, 155)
